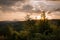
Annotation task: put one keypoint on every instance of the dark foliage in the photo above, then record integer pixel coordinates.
(30, 30)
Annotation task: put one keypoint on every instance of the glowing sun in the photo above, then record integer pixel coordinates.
(47, 17)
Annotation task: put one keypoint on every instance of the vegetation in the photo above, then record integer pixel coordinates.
(31, 30)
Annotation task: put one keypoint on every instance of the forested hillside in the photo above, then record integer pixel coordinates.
(30, 30)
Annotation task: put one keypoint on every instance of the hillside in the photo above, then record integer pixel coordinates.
(30, 30)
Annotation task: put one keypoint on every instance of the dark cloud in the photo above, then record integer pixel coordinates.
(58, 9)
(9, 2)
(6, 6)
(27, 7)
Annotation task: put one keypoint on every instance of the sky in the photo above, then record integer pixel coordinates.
(17, 10)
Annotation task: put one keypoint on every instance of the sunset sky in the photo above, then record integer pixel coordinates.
(16, 10)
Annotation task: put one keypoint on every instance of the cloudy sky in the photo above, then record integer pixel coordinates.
(16, 10)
